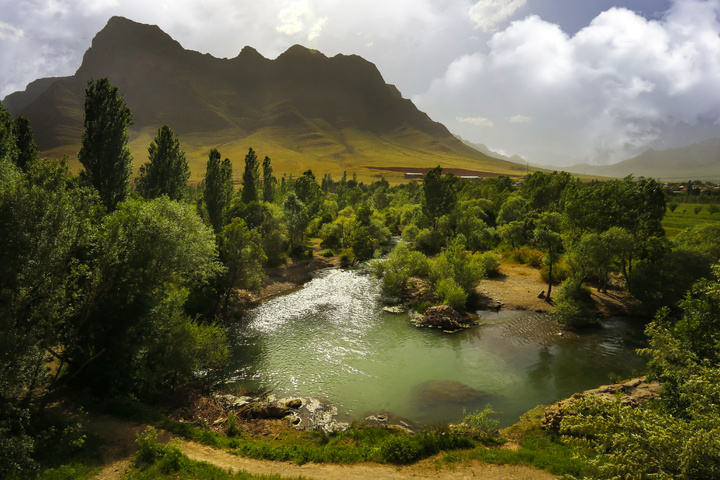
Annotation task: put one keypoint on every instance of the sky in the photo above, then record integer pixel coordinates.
(558, 82)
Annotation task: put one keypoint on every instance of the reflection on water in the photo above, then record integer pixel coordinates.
(332, 340)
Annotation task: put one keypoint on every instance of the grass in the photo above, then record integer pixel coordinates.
(154, 461)
(684, 217)
(536, 448)
(357, 444)
(325, 150)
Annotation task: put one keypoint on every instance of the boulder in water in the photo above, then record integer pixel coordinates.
(441, 316)
(447, 392)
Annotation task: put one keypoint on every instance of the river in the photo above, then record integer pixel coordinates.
(332, 340)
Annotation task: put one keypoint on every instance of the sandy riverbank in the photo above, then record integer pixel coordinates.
(518, 287)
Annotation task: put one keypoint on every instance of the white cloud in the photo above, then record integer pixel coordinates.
(479, 121)
(11, 33)
(292, 17)
(519, 119)
(488, 14)
(601, 95)
(316, 29)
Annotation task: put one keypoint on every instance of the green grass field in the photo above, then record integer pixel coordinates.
(684, 217)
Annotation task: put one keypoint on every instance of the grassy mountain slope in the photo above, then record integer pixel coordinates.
(303, 109)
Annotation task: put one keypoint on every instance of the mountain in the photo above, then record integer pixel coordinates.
(302, 109)
(482, 148)
(699, 161)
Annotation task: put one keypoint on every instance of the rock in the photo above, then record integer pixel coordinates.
(395, 309)
(294, 403)
(444, 392)
(634, 393)
(231, 402)
(264, 410)
(441, 316)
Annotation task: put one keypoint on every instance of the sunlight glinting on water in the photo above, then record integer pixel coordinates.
(331, 339)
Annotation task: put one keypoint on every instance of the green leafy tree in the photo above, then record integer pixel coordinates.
(25, 141)
(513, 209)
(296, 219)
(104, 154)
(149, 254)
(218, 189)
(439, 197)
(46, 227)
(309, 192)
(677, 438)
(242, 254)
(269, 181)
(547, 237)
(167, 172)
(8, 141)
(250, 178)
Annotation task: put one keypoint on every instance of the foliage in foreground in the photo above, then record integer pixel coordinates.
(679, 436)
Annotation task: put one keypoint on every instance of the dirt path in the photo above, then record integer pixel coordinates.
(360, 471)
(118, 445)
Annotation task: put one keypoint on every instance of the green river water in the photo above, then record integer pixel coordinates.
(332, 340)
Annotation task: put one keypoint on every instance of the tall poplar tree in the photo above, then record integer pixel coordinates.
(167, 172)
(438, 195)
(269, 181)
(218, 188)
(251, 178)
(104, 154)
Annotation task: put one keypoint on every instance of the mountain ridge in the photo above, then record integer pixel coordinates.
(697, 161)
(303, 105)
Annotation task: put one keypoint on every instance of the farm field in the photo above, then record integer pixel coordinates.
(687, 215)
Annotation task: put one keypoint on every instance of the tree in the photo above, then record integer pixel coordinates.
(307, 189)
(104, 154)
(250, 178)
(147, 257)
(242, 254)
(218, 189)
(677, 437)
(8, 142)
(296, 219)
(269, 181)
(439, 196)
(547, 236)
(25, 141)
(167, 172)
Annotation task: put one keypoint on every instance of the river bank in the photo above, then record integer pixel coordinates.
(519, 287)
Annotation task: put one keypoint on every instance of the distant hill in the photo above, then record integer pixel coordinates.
(700, 161)
(303, 109)
(481, 147)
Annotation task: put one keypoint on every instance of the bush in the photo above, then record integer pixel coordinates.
(233, 429)
(400, 450)
(571, 304)
(478, 425)
(410, 233)
(427, 241)
(526, 256)
(452, 294)
(399, 265)
(490, 262)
